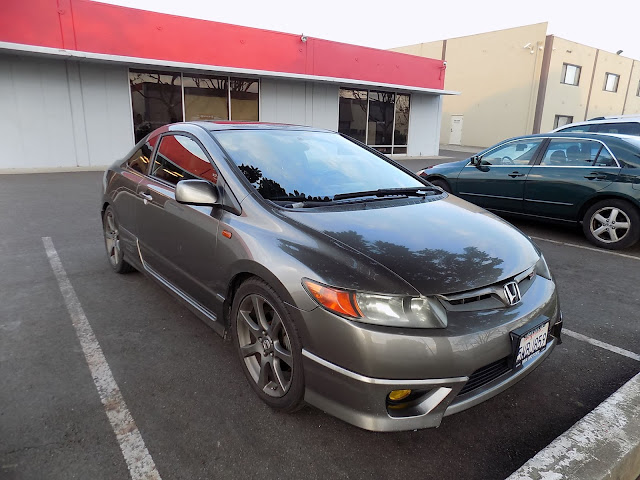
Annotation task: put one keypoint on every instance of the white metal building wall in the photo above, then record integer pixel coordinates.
(300, 103)
(425, 116)
(62, 114)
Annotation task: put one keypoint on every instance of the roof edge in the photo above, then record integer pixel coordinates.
(137, 62)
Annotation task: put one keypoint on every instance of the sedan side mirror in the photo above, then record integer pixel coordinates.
(476, 160)
(197, 192)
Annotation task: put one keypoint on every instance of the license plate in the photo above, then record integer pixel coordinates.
(530, 344)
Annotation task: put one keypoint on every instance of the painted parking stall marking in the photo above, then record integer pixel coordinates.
(139, 462)
(598, 343)
(593, 249)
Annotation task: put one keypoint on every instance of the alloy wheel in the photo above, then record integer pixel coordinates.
(265, 345)
(112, 239)
(609, 224)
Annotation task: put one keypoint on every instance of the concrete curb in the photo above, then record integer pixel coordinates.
(605, 444)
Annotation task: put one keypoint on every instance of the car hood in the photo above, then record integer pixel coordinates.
(439, 247)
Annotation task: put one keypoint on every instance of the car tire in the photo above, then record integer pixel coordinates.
(268, 345)
(612, 224)
(443, 184)
(111, 231)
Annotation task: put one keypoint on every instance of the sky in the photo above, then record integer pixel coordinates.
(609, 25)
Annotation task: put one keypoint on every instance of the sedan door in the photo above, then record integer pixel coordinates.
(568, 174)
(178, 242)
(498, 182)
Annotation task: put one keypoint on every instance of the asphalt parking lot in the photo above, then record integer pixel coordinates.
(184, 388)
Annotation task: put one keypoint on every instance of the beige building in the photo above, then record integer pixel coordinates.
(521, 80)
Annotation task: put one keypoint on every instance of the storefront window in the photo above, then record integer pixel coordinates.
(205, 98)
(353, 114)
(380, 119)
(244, 100)
(156, 99)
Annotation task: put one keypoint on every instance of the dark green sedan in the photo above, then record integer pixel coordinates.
(593, 179)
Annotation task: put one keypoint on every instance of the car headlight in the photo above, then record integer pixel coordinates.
(542, 268)
(379, 309)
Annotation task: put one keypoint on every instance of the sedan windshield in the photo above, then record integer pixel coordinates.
(307, 165)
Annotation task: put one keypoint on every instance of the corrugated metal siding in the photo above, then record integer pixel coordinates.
(58, 113)
(300, 103)
(424, 124)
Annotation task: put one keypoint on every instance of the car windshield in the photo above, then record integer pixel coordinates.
(308, 165)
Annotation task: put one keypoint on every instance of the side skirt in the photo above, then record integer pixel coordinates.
(202, 312)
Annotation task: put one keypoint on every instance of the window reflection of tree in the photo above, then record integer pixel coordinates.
(272, 190)
(170, 97)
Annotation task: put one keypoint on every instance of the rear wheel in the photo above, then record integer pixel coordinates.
(268, 345)
(112, 242)
(443, 184)
(612, 224)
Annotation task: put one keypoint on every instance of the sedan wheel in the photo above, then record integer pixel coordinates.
(112, 242)
(612, 224)
(268, 345)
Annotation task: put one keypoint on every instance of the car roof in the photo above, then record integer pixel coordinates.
(231, 125)
(601, 120)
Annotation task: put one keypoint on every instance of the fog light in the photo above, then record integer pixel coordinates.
(398, 395)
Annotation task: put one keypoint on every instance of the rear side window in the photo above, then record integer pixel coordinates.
(181, 158)
(139, 161)
(576, 153)
(629, 128)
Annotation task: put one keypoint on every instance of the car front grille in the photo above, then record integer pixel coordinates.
(486, 374)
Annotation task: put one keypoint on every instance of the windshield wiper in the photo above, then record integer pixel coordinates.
(387, 192)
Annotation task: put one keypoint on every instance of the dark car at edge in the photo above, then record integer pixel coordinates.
(588, 178)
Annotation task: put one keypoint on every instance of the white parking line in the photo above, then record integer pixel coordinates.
(593, 249)
(139, 462)
(598, 343)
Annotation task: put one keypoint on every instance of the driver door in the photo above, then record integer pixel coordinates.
(498, 182)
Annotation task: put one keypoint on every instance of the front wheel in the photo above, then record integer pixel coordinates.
(612, 224)
(268, 345)
(112, 243)
(443, 184)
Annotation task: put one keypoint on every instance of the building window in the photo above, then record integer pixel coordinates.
(562, 120)
(156, 99)
(638, 91)
(159, 98)
(352, 116)
(379, 119)
(570, 74)
(611, 82)
(244, 100)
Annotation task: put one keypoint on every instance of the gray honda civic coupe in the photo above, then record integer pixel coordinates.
(343, 280)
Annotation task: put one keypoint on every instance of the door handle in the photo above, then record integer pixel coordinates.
(516, 174)
(595, 176)
(146, 196)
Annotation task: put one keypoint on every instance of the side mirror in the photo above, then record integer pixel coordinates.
(476, 160)
(197, 192)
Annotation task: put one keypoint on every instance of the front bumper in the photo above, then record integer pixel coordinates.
(350, 368)
(361, 400)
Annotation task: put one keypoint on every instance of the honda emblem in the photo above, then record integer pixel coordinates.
(512, 293)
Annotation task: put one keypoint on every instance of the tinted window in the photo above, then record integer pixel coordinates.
(308, 165)
(156, 100)
(181, 158)
(630, 128)
(571, 153)
(402, 122)
(519, 152)
(353, 114)
(381, 111)
(139, 161)
(244, 100)
(205, 98)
